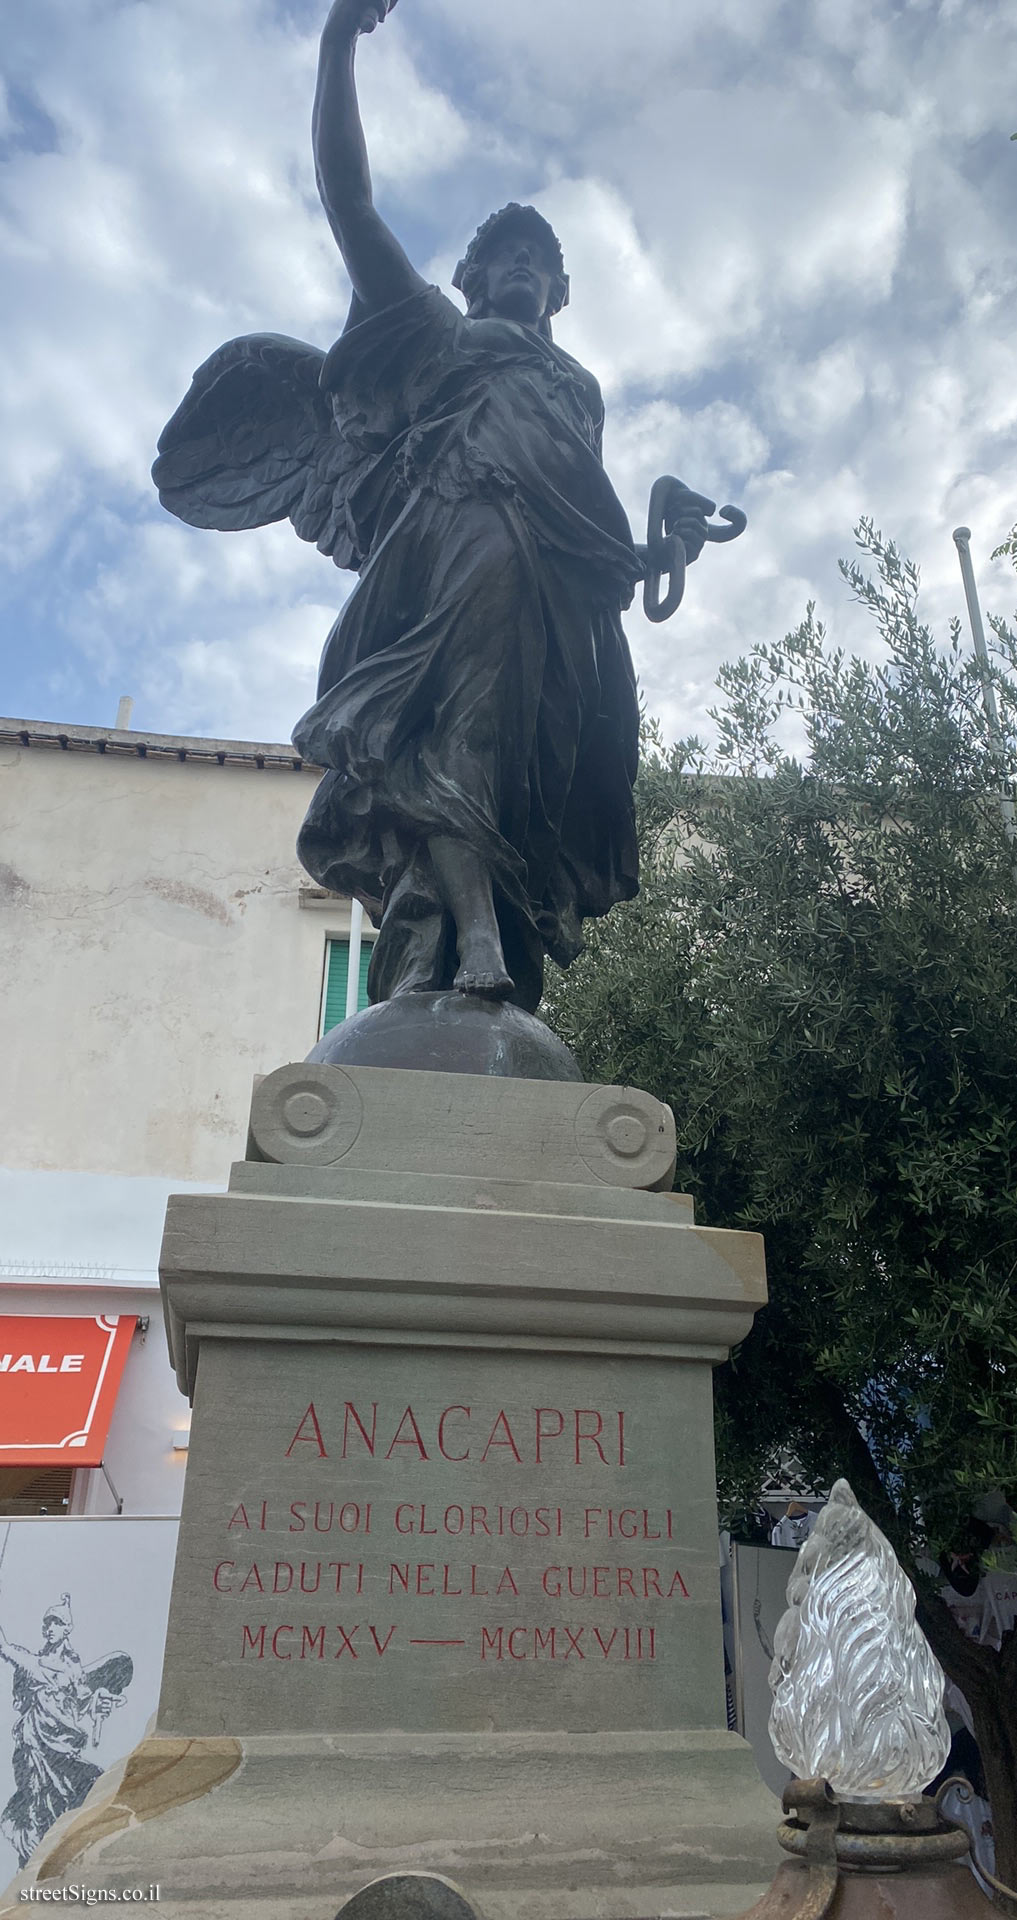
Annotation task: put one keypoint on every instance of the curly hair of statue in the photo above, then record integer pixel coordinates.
(469, 276)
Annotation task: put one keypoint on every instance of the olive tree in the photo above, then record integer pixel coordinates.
(820, 977)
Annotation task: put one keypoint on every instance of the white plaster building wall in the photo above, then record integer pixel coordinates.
(154, 952)
(159, 946)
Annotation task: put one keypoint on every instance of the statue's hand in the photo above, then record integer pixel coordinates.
(350, 18)
(688, 519)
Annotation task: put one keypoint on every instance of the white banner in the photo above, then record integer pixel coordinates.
(760, 1582)
(83, 1606)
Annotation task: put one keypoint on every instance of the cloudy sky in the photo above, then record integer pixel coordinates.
(791, 234)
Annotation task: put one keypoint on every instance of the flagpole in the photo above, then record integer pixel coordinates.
(353, 963)
(962, 541)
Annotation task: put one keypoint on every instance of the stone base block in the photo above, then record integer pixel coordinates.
(446, 1594)
(530, 1826)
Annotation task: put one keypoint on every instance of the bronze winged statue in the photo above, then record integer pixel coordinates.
(476, 716)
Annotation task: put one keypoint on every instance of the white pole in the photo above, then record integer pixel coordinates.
(962, 541)
(353, 968)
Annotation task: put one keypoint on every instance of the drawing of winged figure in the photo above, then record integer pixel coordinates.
(62, 1708)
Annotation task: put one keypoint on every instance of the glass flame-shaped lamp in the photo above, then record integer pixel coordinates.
(858, 1717)
(857, 1689)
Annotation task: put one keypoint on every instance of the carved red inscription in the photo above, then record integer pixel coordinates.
(307, 1643)
(545, 1436)
(611, 1559)
(568, 1643)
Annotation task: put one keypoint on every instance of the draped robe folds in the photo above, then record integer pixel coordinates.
(50, 1698)
(477, 684)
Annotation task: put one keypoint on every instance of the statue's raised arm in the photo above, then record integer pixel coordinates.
(375, 261)
(27, 1663)
(476, 719)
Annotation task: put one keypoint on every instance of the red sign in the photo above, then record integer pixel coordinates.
(58, 1384)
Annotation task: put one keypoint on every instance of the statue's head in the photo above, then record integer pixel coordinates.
(514, 266)
(56, 1621)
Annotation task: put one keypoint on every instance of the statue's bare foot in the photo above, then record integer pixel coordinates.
(483, 971)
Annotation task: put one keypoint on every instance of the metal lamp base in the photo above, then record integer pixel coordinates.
(869, 1860)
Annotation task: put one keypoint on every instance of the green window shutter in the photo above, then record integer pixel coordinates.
(337, 965)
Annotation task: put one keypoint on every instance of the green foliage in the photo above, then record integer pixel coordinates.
(820, 977)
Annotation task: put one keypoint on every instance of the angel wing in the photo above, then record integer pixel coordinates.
(255, 440)
(112, 1673)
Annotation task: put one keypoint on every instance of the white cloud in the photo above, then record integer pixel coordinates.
(218, 624)
(790, 235)
(626, 322)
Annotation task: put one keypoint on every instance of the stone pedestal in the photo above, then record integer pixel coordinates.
(446, 1593)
